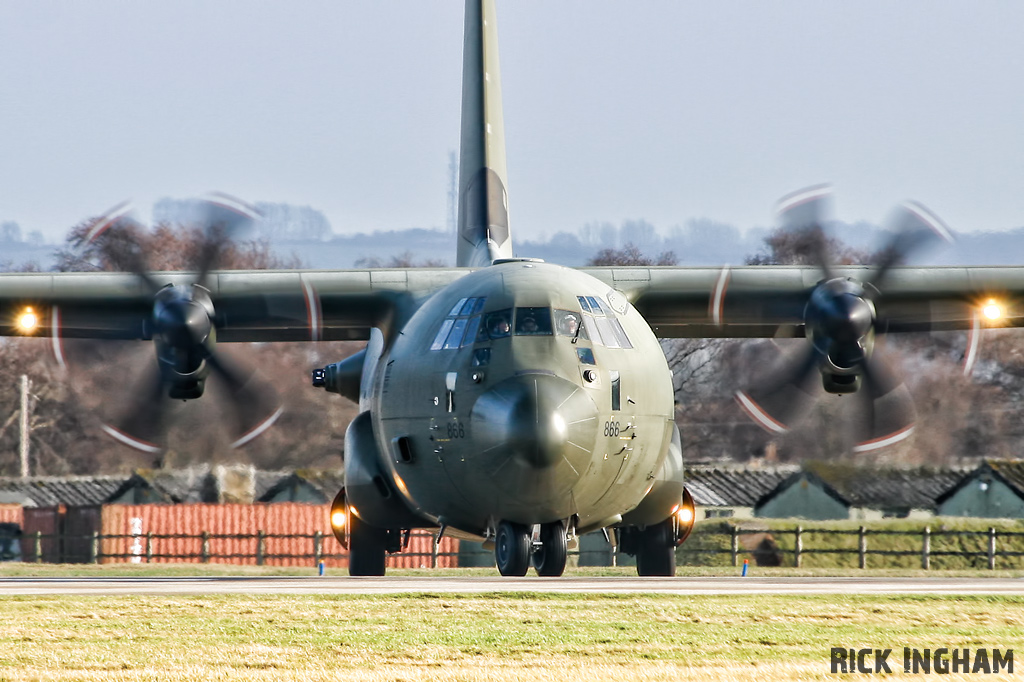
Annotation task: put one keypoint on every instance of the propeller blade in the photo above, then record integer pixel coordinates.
(888, 407)
(779, 402)
(914, 227)
(224, 217)
(142, 426)
(801, 215)
(117, 236)
(253, 401)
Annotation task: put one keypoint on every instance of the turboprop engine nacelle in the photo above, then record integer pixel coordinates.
(369, 490)
(343, 377)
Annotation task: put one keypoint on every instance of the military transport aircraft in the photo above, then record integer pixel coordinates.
(508, 400)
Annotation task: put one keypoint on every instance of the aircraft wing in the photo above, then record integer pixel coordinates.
(302, 305)
(768, 301)
(264, 305)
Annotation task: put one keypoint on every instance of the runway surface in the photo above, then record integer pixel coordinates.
(476, 585)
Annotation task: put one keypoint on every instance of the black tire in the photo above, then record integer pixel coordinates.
(549, 560)
(512, 549)
(367, 548)
(656, 553)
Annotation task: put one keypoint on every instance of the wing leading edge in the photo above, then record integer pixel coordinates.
(303, 305)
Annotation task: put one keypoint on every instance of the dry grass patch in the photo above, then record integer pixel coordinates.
(477, 637)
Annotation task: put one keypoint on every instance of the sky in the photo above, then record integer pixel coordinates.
(665, 111)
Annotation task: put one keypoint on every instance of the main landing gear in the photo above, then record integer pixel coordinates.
(368, 546)
(514, 548)
(654, 548)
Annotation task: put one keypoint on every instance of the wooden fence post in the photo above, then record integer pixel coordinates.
(318, 547)
(992, 549)
(798, 545)
(926, 549)
(862, 547)
(735, 546)
(39, 547)
(149, 547)
(259, 547)
(94, 548)
(206, 547)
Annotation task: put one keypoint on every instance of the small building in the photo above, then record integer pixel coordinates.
(52, 491)
(306, 485)
(823, 492)
(218, 484)
(992, 491)
(729, 490)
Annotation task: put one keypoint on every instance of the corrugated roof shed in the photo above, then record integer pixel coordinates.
(48, 491)
(875, 488)
(203, 483)
(730, 485)
(326, 482)
(1010, 471)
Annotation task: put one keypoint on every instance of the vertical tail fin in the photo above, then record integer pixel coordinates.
(484, 233)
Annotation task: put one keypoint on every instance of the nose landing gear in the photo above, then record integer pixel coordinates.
(514, 548)
(549, 558)
(512, 545)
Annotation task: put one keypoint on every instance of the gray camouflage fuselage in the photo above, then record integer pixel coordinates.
(535, 434)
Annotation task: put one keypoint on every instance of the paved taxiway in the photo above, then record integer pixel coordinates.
(475, 585)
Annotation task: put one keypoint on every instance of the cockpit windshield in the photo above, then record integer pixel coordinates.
(533, 321)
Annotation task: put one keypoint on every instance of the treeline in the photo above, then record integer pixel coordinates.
(959, 416)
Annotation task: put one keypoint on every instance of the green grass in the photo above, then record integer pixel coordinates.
(21, 570)
(715, 534)
(493, 637)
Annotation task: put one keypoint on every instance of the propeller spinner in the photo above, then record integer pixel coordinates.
(842, 325)
(182, 324)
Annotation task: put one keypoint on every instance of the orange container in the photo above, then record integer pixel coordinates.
(11, 513)
(278, 534)
(47, 522)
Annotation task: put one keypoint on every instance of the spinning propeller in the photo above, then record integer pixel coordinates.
(182, 325)
(842, 325)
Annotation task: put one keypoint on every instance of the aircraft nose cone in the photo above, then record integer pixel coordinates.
(535, 430)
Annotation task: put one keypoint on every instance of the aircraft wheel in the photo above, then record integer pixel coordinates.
(549, 560)
(512, 548)
(366, 549)
(656, 553)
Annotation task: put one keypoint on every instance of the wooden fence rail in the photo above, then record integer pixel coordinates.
(141, 547)
(919, 543)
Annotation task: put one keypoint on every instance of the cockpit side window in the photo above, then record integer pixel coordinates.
(533, 321)
(442, 334)
(586, 356)
(499, 324)
(455, 335)
(458, 329)
(570, 323)
(602, 324)
(472, 331)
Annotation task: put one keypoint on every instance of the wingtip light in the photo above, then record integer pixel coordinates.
(28, 321)
(992, 311)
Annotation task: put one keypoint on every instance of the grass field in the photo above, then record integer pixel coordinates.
(16, 570)
(485, 637)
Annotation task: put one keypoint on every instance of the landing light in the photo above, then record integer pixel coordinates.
(338, 519)
(992, 310)
(685, 516)
(28, 321)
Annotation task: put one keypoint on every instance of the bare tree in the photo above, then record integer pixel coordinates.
(630, 254)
